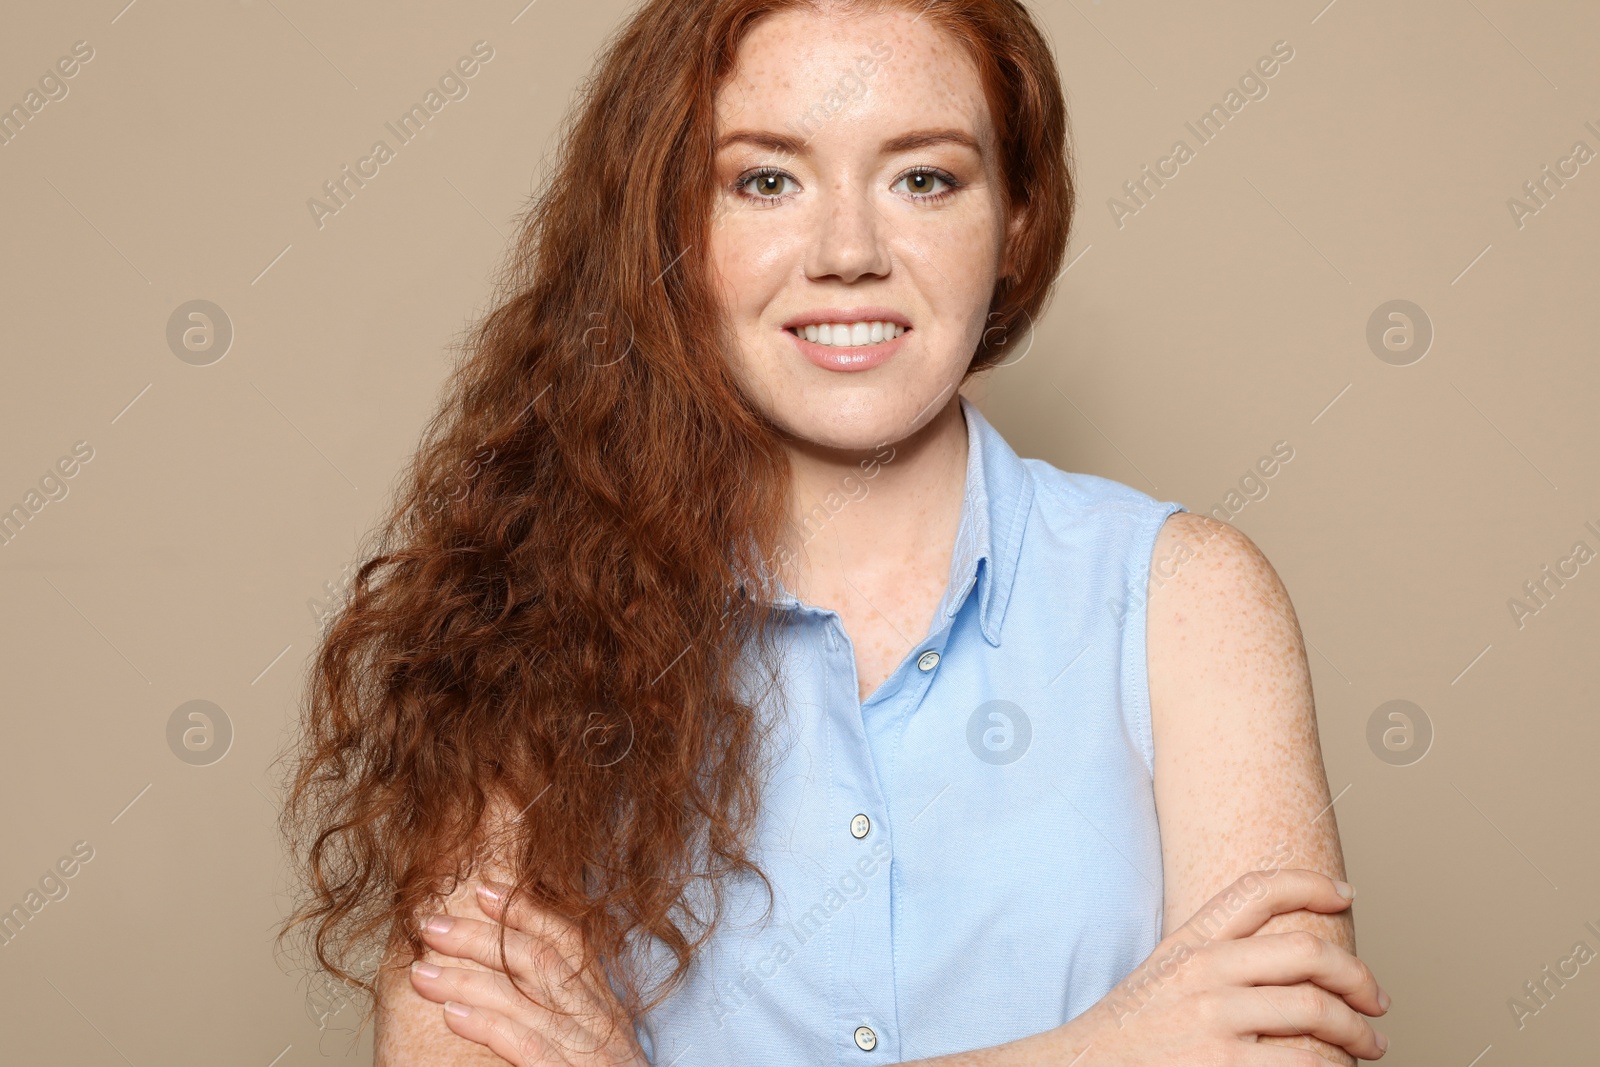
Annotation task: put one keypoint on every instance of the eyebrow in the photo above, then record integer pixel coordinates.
(906, 142)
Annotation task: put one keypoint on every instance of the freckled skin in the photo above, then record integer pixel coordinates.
(1238, 762)
(848, 228)
(848, 231)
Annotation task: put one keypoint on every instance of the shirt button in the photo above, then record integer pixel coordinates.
(928, 660)
(866, 1040)
(859, 826)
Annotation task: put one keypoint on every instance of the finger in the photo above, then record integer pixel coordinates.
(1278, 1056)
(510, 1040)
(533, 1046)
(1281, 1011)
(481, 989)
(561, 937)
(1250, 900)
(1299, 956)
(522, 914)
(473, 939)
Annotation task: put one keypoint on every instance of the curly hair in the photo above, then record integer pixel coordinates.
(553, 613)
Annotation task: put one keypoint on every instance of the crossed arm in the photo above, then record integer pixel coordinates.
(1239, 780)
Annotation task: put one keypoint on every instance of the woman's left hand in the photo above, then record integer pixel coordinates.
(542, 952)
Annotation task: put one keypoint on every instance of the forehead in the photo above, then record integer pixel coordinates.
(813, 71)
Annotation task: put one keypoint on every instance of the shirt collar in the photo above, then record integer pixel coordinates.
(994, 511)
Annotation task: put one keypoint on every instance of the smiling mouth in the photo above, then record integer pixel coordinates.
(849, 334)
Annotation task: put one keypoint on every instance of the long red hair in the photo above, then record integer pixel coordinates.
(551, 614)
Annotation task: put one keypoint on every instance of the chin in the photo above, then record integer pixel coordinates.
(856, 418)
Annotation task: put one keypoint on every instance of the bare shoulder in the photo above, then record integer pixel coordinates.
(410, 1030)
(1218, 612)
(1197, 553)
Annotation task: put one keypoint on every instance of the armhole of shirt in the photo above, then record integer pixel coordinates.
(1136, 667)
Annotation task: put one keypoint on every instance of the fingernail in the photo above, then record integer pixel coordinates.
(459, 1010)
(1383, 1040)
(438, 924)
(1383, 999)
(493, 895)
(1345, 889)
(427, 970)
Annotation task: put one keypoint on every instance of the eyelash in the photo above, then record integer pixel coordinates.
(773, 201)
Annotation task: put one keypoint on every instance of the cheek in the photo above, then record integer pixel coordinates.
(956, 264)
(749, 263)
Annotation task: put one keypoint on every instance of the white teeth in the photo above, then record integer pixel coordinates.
(849, 334)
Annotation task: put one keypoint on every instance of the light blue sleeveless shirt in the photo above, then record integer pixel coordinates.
(972, 855)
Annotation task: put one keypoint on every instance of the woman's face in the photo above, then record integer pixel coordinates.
(858, 183)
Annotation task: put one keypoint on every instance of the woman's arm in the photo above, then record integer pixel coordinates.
(504, 1025)
(1239, 781)
(410, 1030)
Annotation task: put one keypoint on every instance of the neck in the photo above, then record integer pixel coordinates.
(853, 513)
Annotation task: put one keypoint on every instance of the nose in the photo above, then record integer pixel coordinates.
(849, 235)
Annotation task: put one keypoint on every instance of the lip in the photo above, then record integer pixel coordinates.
(851, 358)
(817, 316)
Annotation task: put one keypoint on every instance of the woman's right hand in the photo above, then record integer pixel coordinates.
(1210, 990)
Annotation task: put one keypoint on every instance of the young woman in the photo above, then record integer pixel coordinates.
(798, 719)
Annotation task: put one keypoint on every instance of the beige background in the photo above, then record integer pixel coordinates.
(1228, 314)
